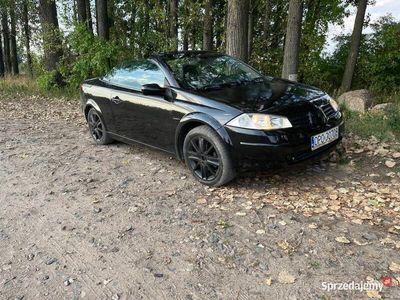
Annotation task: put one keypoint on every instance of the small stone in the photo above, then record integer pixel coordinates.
(260, 231)
(97, 210)
(158, 275)
(51, 261)
(396, 155)
(115, 297)
(390, 163)
(369, 236)
(202, 201)
(30, 256)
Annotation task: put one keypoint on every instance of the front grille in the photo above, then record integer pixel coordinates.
(313, 116)
(328, 110)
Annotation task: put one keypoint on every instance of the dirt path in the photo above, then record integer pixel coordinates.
(126, 222)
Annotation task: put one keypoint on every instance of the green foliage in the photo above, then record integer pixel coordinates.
(48, 80)
(383, 125)
(90, 56)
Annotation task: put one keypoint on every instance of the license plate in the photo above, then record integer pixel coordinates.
(324, 138)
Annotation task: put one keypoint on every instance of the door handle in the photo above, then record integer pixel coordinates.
(116, 100)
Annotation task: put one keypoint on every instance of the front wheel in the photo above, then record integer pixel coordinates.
(207, 156)
(97, 128)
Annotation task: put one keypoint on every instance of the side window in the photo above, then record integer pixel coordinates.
(136, 74)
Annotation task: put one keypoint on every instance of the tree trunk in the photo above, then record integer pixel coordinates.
(51, 34)
(103, 29)
(1, 57)
(13, 44)
(292, 40)
(6, 41)
(355, 47)
(89, 16)
(185, 46)
(173, 23)
(237, 29)
(208, 27)
(193, 41)
(250, 32)
(81, 10)
(27, 36)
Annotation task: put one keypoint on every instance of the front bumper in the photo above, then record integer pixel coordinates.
(286, 145)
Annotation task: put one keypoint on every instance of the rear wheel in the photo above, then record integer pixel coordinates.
(97, 128)
(208, 157)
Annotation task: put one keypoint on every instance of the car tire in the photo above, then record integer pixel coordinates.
(208, 157)
(97, 128)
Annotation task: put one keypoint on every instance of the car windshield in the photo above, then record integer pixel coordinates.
(200, 72)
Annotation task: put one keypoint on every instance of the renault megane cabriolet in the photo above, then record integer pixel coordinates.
(211, 110)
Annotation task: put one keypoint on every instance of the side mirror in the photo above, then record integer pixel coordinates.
(153, 89)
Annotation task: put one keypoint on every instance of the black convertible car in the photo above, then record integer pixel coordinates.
(210, 110)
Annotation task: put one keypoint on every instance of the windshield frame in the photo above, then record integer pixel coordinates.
(164, 58)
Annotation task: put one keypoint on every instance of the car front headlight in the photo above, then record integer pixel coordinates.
(260, 121)
(334, 104)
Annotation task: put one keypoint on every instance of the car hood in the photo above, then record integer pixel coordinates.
(272, 94)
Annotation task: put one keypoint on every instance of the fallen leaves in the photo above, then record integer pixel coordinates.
(374, 294)
(268, 281)
(342, 239)
(394, 267)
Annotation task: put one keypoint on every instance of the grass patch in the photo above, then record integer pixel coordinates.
(11, 86)
(384, 125)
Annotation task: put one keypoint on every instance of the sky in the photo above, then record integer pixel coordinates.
(381, 8)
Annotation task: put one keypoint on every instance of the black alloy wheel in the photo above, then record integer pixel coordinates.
(97, 128)
(208, 157)
(203, 158)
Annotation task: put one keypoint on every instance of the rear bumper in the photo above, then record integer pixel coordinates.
(289, 145)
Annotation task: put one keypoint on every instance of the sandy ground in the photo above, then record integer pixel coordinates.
(127, 222)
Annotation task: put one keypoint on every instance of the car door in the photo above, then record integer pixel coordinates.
(142, 118)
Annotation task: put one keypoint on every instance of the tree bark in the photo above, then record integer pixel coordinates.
(237, 29)
(250, 32)
(354, 48)
(27, 37)
(185, 44)
(89, 16)
(103, 28)
(292, 40)
(1, 57)
(173, 23)
(208, 26)
(193, 41)
(13, 43)
(51, 34)
(81, 10)
(6, 42)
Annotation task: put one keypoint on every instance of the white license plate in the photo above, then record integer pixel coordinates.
(324, 138)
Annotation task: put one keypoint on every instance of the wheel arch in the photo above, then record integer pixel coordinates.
(194, 120)
(90, 104)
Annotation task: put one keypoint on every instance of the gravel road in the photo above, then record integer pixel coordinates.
(127, 222)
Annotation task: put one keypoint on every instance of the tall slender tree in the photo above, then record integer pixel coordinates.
(208, 26)
(27, 37)
(250, 28)
(237, 29)
(1, 57)
(51, 34)
(81, 10)
(89, 16)
(173, 23)
(292, 40)
(355, 46)
(103, 25)
(6, 41)
(13, 42)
